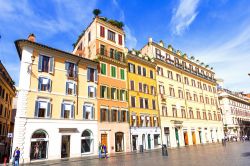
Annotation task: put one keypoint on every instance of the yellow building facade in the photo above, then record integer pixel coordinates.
(7, 93)
(187, 98)
(56, 104)
(143, 103)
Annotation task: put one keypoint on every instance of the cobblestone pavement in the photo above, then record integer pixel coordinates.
(234, 154)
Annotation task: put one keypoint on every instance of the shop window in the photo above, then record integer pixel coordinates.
(39, 145)
(87, 142)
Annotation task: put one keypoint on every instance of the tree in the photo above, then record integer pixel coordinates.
(97, 12)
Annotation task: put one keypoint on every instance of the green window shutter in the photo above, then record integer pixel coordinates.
(113, 71)
(117, 94)
(122, 74)
(103, 68)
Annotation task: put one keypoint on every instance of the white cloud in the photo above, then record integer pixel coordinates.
(184, 15)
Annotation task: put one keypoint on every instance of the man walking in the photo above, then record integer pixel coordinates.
(16, 156)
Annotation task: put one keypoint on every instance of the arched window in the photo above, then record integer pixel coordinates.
(39, 145)
(87, 142)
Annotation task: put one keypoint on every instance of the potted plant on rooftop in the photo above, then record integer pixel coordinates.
(97, 12)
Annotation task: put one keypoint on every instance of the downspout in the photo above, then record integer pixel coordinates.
(77, 87)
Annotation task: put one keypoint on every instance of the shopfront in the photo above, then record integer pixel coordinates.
(39, 145)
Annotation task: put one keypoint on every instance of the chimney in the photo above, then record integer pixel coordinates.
(32, 37)
(150, 40)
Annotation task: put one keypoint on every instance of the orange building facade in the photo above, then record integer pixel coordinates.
(104, 42)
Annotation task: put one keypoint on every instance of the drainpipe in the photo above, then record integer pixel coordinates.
(77, 86)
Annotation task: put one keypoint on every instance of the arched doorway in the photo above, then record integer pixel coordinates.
(39, 145)
(87, 142)
(119, 142)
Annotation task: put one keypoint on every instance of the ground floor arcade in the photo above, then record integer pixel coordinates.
(177, 133)
(148, 137)
(44, 139)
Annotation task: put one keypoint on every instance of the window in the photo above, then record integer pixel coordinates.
(124, 116)
(87, 141)
(164, 111)
(111, 35)
(88, 112)
(207, 100)
(131, 68)
(132, 85)
(180, 93)
(152, 90)
(114, 115)
(44, 84)
(122, 73)
(89, 36)
(151, 74)
(174, 111)
(104, 114)
(209, 88)
(114, 93)
(140, 87)
(141, 103)
(146, 103)
(178, 77)
(188, 96)
(170, 74)
(133, 117)
(193, 83)
(132, 101)
(105, 93)
(204, 86)
(91, 91)
(102, 31)
(103, 68)
(153, 105)
(67, 111)
(139, 70)
(92, 75)
(158, 53)
(204, 115)
(195, 98)
(46, 64)
(42, 109)
(209, 116)
(201, 99)
(102, 50)
(160, 71)
(144, 72)
(171, 91)
(145, 88)
(191, 114)
(70, 88)
(39, 141)
(71, 69)
(120, 39)
(198, 115)
(123, 95)
(112, 53)
(183, 113)
(162, 89)
(186, 80)
(199, 85)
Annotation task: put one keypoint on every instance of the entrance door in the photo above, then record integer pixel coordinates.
(193, 137)
(134, 141)
(104, 138)
(149, 142)
(65, 148)
(143, 141)
(186, 138)
(177, 137)
(119, 143)
(200, 136)
(168, 140)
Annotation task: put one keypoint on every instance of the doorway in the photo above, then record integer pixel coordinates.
(104, 138)
(186, 138)
(167, 140)
(149, 142)
(134, 141)
(193, 137)
(177, 137)
(143, 141)
(65, 148)
(200, 137)
(119, 143)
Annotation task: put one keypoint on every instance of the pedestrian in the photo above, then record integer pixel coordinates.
(16, 156)
(105, 150)
(100, 150)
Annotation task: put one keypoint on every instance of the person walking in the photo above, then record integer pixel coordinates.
(100, 150)
(16, 156)
(105, 150)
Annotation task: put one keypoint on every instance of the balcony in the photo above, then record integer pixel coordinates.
(112, 55)
(181, 67)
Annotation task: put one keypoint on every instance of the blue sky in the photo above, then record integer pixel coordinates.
(217, 32)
